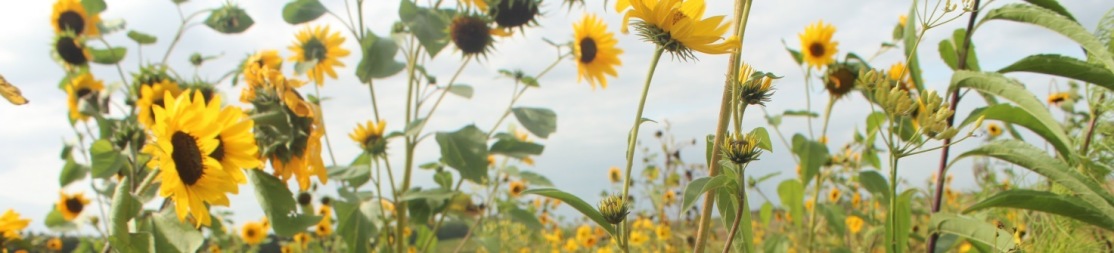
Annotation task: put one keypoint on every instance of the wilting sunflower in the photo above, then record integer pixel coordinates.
(1057, 98)
(994, 130)
(471, 34)
(854, 223)
(82, 88)
(679, 27)
(70, 15)
(253, 233)
(71, 49)
(71, 205)
(370, 136)
(615, 175)
(303, 166)
(513, 13)
(184, 134)
(320, 46)
(54, 244)
(152, 96)
(595, 51)
(817, 47)
(263, 60)
(516, 188)
(236, 149)
(840, 79)
(11, 224)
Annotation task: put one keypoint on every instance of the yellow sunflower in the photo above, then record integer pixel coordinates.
(679, 26)
(323, 228)
(668, 197)
(320, 46)
(302, 239)
(1059, 97)
(638, 238)
(54, 244)
(236, 149)
(370, 136)
(834, 195)
(615, 175)
(817, 47)
(286, 249)
(152, 96)
(82, 88)
(595, 51)
(214, 248)
(11, 224)
(266, 59)
(302, 166)
(516, 188)
(854, 223)
(184, 133)
(994, 130)
(253, 233)
(478, 4)
(70, 15)
(71, 205)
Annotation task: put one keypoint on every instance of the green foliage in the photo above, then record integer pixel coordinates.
(94, 7)
(951, 48)
(354, 226)
(172, 235)
(577, 204)
(539, 121)
(792, 192)
(516, 148)
(1063, 66)
(972, 229)
(278, 204)
(106, 159)
(378, 59)
(1056, 22)
(142, 38)
(1048, 202)
(466, 151)
(911, 42)
(301, 11)
(124, 208)
(813, 154)
(71, 172)
(108, 56)
(430, 26)
(229, 19)
(996, 84)
(700, 186)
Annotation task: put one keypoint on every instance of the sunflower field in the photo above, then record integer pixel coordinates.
(708, 138)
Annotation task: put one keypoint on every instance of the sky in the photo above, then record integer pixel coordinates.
(592, 123)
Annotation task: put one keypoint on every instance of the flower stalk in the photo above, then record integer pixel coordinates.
(633, 141)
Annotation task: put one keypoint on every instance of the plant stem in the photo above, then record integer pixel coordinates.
(181, 29)
(632, 138)
(321, 116)
(827, 117)
(1095, 113)
(941, 171)
(734, 225)
(374, 103)
(437, 225)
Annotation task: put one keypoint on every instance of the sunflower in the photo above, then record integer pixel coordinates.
(263, 60)
(513, 13)
(834, 195)
(679, 26)
(840, 79)
(82, 88)
(185, 133)
(302, 239)
(370, 136)
(854, 223)
(152, 96)
(516, 188)
(253, 233)
(54, 244)
(323, 228)
(214, 248)
(72, 49)
(1057, 98)
(663, 231)
(321, 47)
(11, 224)
(595, 51)
(637, 238)
(302, 166)
(472, 35)
(615, 175)
(236, 149)
(71, 205)
(994, 130)
(669, 196)
(817, 46)
(899, 73)
(70, 15)
(856, 199)
(478, 4)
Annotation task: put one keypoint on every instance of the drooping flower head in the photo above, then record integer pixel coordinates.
(72, 50)
(679, 27)
(514, 13)
(817, 47)
(595, 51)
(472, 34)
(320, 48)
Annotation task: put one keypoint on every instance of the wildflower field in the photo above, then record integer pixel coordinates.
(557, 126)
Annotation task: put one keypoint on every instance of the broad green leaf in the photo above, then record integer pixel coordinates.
(726, 204)
(106, 159)
(766, 213)
(535, 178)
(526, 218)
(1012, 116)
(576, 203)
(972, 229)
(353, 226)
(904, 222)
(93, 7)
(413, 127)
(1056, 22)
(1048, 202)
(699, 187)
(466, 151)
(172, 235)
(792, 194)
(461, 90)
(910, 40)
(142, 38)
(378, 60)
(763, 139)
(1063, 66)
(108, 56)
(55, 222)
(229, 19)
(301, 11)
(996, 84)
(71, 172)
(876, 184)
(355, 175)
(834, 214)
(513, 147)
(428, 25)
(1052, 5)
(950, 48)
(278, 204)
(438, 195)
(873, 121)
(813, 154)
(124, 208)
(539, 121)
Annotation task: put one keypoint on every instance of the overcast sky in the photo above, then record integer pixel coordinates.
(592, 125)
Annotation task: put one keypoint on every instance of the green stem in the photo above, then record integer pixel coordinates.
(437, 225)
(632, 139)
(321, 115)
(374, 103)
(827, 116)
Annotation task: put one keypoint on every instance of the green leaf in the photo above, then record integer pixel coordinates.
(1056, 22)
(792, 194)
(466, 151)
(55, 222)
(766, 212)
(172, 235)
(910, 39)
(1052, 5)
(413, 127)
(535, 178)
(428, 25)
(797, 57)
(996, 84)
(354, 226)
(576, 203)
(461, 90)
(71, 172)
(93, 7)
(229, 19)
(699, 187)
(539, 121)
(834, 214)
(950, 48)
(904, 222)
(763, 139)
(124, 208)
(875, 184)
(106, 159)
(438, 195)
(301, 11)
(108, 56)
(526, 218)
(142, 38)
(379, 58)
(972, 229)
(801, 113)
(1063, 66)
(1014, 116)
(513, 147)
(443, 179)
(813, 154)
(1048, 202)
(278, 204)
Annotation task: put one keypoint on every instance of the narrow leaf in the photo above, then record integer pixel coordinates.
(1048, 202)
(576, 203)
(972, 229)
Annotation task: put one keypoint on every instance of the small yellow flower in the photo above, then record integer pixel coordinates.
(583, 232)
(319, 46)
(516, 188)
(993, 129)
(854, 223)
(669, 196)
(71, 205)
(663, 231)
(615, 175)
(370, 136)
(302, 239)
(902, 20)
(856, 199)
(54, 244)
(253, 233)
(834, 195)
(1057, 98)
(965, 247)
(679, 26)
(817, 47)
(809, 204)
(595, 51)
(571, 245)
(214, 248)
(638, 238)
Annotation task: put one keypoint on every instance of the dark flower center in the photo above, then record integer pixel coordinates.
(82, 92)
(304, 198)
(72, 21)
(514, 13)
(70, 52)
(187, 157)
(250, 233)
(816, 49)
(313, 50)
(74, 205)
(470, 34)
(218, 153)
(587, 50)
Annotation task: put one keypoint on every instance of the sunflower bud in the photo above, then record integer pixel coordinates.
(614, 210)
(755, 87)
(741, 149)
(932, 116)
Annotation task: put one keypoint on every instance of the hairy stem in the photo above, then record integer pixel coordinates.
(632, 139)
